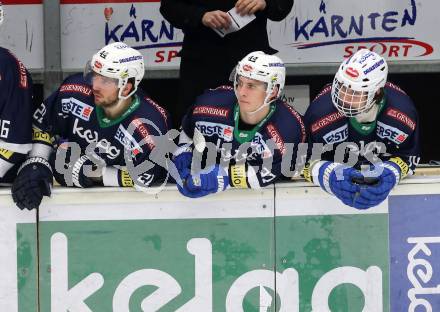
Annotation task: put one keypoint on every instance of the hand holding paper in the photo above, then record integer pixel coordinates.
(237, 22)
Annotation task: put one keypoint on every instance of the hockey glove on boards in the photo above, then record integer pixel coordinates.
(214, 179)
(34, 180)
(389, 174)
(182, 157)
(336, 179)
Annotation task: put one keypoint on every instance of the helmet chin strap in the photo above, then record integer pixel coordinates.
(265, 103)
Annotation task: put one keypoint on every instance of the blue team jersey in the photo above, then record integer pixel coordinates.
(213, 116)
(71, 114)
(15, 112)
(396, 126)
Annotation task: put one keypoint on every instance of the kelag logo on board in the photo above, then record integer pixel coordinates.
(415, 250)
(349, 31)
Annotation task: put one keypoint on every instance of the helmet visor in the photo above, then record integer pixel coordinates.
(92, 77)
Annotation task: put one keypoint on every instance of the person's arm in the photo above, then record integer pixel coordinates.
(277, 10)
(181, 14)
(35, 176)
(16, 114)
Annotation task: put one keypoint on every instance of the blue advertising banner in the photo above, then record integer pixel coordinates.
(415, 252)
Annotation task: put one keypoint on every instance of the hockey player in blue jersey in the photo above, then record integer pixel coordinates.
(106, 124)
(363, 116)
(15, 113)
(238, 124)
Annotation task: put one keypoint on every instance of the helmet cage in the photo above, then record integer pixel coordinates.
(357, 81)
(349, 101)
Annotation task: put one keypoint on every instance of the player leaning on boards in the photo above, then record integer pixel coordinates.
(250, 114)
(106, 122)
(361, 107)
(15, 113)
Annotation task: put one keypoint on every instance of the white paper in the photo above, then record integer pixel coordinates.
(237, 22)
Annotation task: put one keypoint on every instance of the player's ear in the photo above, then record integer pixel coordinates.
(127, 89)
(274, 93)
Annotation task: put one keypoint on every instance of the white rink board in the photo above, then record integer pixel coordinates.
(10, 217)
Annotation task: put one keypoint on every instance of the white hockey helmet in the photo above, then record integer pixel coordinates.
(357, 81)
(262, 67)
(121, 62)
(2, 13)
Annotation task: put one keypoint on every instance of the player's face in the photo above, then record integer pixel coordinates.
(352, 99)
(251, 94)
(105, 90)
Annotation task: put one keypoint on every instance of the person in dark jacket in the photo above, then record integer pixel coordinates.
(206, 57)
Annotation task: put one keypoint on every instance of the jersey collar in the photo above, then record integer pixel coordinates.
(243, 136)
(105, 122)
(367, 128)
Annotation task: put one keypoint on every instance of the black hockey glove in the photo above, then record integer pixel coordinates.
(33, 181)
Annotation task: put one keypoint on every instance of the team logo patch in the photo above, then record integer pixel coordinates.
(76, 88)
(395, 87)
(276, 136)
(337, 135)
(162, 111)
(248, 68)
(351, 72)
(98, 64)
(299, 119)
(211, 111)
(402, 117)
(143, 131)
(76, 108)
(210, 129)
(326, 120)
(326, 90)
(393, 134)
(127, 140)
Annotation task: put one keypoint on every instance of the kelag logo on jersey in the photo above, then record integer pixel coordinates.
(363, 29)
(76, 108)
(210, 129)
(127, 141)
(337, 135)
(395, 135)
(414, 250)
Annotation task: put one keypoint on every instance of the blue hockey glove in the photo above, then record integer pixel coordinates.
(33, 181)
(182, 157)
(373, 195)
(337, 179)
(211, 180)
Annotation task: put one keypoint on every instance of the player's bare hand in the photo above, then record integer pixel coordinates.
(216, 19)
(247, 7)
